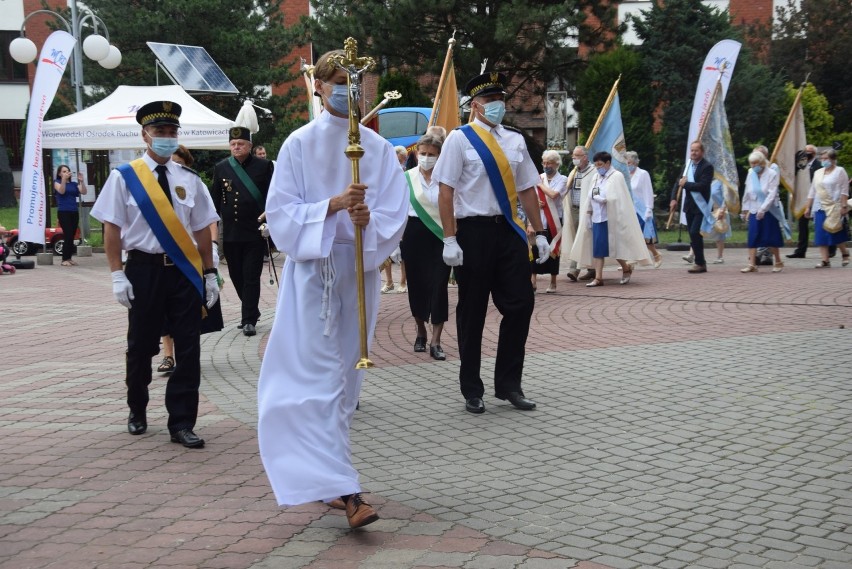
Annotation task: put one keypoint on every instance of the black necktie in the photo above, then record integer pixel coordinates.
(164, 181)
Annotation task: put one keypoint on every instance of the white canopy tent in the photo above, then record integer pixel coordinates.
(111, 123)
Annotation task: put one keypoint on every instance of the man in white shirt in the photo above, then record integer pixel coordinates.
(485, 241)
(161, 278)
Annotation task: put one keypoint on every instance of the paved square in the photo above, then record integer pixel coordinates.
(683, 421)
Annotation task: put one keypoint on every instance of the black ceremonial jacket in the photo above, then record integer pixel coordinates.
(234, 203)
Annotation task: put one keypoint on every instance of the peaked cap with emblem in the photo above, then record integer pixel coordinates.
(487, 84)
(159, 112)
(239, 133)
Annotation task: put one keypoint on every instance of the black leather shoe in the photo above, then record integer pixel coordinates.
(518, 401)
(249, 330)
(436, 352)
(136, 423)
(796, 256)
(474, 405)
(240, 325)
(187, 438)
(420, 344)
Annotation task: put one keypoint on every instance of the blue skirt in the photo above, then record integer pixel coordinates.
(600, 240)
(649, 229)
(765, 232)
(823, 238)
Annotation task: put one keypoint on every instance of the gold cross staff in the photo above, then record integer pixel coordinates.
(354, 67)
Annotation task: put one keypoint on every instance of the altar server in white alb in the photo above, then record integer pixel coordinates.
(308, 386)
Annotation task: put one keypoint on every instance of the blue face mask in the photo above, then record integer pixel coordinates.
(494, 111)
(602, 171)
(631, 169)
(757, 169)
(549, 170)
(339, 99)
(826, 163)
(164, 147)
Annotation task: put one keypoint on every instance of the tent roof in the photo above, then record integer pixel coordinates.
(111, 123)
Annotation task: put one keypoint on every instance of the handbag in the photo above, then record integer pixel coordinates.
(833, 220)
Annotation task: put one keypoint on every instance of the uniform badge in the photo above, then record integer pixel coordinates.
(167, 106)
(235, 132)
(227, 185)
(181, 192)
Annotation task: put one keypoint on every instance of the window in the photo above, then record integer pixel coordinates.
(10, 70)
(403, 123)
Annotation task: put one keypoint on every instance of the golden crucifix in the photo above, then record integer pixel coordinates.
(355, 67)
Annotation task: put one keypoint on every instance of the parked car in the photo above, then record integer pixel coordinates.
(403, 126)
(53, 237)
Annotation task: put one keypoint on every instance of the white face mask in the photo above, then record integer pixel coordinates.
(577, 162)
(426, 162)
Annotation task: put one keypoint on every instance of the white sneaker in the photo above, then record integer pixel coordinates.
(719, 261)
(689, 258)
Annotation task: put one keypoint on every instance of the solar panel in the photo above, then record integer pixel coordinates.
(192, 67)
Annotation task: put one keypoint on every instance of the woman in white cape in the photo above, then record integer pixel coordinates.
(608, 226)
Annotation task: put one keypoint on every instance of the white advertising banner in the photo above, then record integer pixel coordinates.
(722, 56)
(54, 57)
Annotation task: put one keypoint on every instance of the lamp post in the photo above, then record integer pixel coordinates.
(95, 46)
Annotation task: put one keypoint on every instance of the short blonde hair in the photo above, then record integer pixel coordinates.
(549, 155)
(757, 158)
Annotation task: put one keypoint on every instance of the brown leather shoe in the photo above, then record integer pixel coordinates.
(359, 512)
(697, 269)
(337, 504)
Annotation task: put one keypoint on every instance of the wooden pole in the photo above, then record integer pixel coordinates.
(448, 59)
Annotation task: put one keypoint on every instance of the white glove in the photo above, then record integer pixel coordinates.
(649, 213)
(211, 287)
(122, 290)
(543, 248)
(264, 230)
(396, 256)
(452, 252)
(215, 255)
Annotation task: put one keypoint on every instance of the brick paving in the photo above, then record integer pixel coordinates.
(683, 421)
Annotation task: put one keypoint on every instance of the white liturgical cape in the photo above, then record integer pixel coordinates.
(308, 386)
(626, 241)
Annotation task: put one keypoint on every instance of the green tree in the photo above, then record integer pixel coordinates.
(677, 35)
(247, 38)
(635, 96)
(532, 41)
(410, 93)
(813, 40)
(819, 124)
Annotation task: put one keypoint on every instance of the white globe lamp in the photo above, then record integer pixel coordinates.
(96, 47)
(112, 60)
(23, 50)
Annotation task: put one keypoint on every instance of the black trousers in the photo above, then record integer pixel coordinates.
(245, 265)
(802, 243)
(496, 263)
(159, 292)
(696, 240)
(426, 273)
(68, 221)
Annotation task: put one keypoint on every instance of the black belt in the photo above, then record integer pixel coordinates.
(144, 258)
(483, 219)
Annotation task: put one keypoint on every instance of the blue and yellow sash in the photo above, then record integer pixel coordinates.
(499, 174)
(163, 220)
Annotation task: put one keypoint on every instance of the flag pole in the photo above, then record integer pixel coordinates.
(609, 100)
(701, 130)
(788, 122)
(448, 60)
